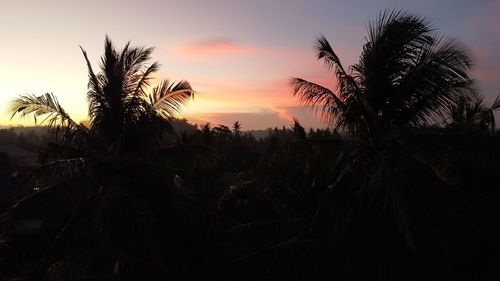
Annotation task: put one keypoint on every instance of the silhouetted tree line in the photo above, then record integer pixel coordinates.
(403, 186)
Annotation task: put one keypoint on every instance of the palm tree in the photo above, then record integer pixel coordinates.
(387, 216)
(469, 115)
(118, 96)
(406, 76)
(107, 173)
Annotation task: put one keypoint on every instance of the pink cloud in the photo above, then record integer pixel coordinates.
(488, 74)
(263, 60)
(232, 87)
(484, 29)
(210, 48)
(486, 18)
(250, 90)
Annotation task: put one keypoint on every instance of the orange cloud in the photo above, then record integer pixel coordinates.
(284, 113)
(307, 116)
(249, 121)
(276, 116)
(221, 101)
(255, 84)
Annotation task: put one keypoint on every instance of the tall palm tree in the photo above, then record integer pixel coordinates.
(406, 76)
(387, 216)
(118, 96)
(107, 174)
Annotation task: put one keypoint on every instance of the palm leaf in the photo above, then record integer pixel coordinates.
(167, 98)
(496, 103)
(311, 94)
(46, 106)
(345, 83)
(406, 76)
(145, 78)
(95, 94)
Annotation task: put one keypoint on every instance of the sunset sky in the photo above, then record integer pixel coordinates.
(238, 55)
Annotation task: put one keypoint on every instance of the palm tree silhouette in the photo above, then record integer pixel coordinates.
(386, 210)
(405, 77)
(118, 97)
(471, 115)
(106, 167)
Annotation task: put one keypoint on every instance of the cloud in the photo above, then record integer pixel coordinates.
(212, 48)
(221, 101)
(251, 84)
(488, 75)
(227, 54)
(249, 120)
(486, 18)
(277, 116)
(307, 116)
(483, 27)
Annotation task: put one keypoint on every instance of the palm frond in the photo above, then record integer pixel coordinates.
(399, 27)
(406, 76)
(311, 94)
(326, 52)
(145, 78)
(45, 106)
(345, 82)
(168, 98)
(136, 57)
(469, 114)
(496, 103)
(437, 79)
(95, 93)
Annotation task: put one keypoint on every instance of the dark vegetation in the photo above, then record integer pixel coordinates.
(29, 138)
(403, 187)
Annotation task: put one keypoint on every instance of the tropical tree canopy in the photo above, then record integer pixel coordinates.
(406, 76)
(106, 167)
(120, 96)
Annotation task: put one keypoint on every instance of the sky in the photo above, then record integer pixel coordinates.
(237, 55)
